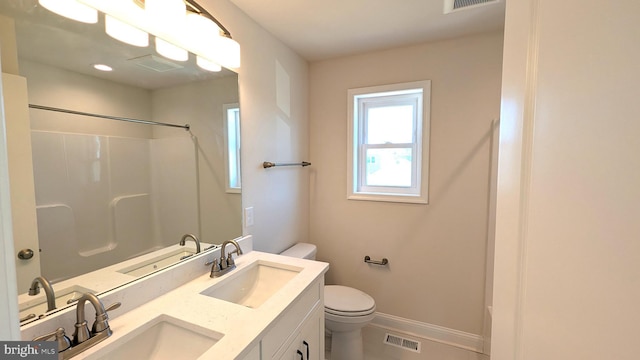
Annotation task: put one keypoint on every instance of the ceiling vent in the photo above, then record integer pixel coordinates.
(455, 5)
(155, 63)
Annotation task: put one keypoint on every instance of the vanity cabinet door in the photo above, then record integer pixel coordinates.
(292, 352)
(312, 336)
(283, 333)
(254, 354)
(308, 344)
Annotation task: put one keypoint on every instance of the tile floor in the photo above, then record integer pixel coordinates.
(374, 349)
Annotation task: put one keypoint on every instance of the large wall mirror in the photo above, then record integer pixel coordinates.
(114, 198)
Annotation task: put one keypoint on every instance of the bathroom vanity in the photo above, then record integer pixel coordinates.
(268, 307)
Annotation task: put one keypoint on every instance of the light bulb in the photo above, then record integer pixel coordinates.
(125, 32)
(171, 51)
(71, 9)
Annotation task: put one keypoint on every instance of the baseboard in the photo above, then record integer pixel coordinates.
(432, 332)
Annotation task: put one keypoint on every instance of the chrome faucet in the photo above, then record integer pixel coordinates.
(226, 262)
(48, 290)
(194, 238)
(82, 337)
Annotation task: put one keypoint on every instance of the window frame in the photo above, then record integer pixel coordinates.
(227, 160)
(362, 99)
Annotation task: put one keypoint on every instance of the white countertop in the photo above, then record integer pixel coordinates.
(97, 281)
(241, 327)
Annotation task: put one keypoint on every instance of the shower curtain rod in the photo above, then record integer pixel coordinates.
(148, 122)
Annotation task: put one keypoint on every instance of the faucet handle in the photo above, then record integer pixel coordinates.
(63, 340)
(230, 262)
(81, 334)
(215, 267)
(223, 263)
(101, 323)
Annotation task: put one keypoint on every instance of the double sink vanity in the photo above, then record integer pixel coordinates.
(268, 307)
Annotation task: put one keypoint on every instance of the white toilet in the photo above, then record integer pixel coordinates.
(346, 311)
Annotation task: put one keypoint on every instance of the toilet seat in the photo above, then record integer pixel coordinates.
(347, 302)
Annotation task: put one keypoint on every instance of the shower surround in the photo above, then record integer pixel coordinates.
(105, 199)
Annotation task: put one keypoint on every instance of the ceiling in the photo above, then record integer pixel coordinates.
(316, 30)
(319, 30)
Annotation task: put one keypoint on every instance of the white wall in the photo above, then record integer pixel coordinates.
(437, 252)
(274, 105)
(567, 275)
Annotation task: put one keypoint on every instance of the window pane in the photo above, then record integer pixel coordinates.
(233, 150)
(388, 167)
(390, 124)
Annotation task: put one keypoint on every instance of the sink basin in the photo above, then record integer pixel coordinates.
(159, 262)
(253, 285)
(163, 337)
(37, 304)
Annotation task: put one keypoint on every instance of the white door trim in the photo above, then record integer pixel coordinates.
(10, 329)
(514, 175)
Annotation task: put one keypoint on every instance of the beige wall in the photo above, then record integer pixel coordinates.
(437, 252)
(9, 53)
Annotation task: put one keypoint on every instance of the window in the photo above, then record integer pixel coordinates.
(232, 148)
(389, 142)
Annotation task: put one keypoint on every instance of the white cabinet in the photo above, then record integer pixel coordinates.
(254, 354)
(298, 334)
(306, 344)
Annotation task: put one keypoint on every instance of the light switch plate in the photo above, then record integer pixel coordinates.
(248, 216)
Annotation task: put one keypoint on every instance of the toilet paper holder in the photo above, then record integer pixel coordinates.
(368, 260)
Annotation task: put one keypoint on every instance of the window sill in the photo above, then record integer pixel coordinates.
(409, 199)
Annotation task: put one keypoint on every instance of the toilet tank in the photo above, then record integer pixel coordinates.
(301, 251)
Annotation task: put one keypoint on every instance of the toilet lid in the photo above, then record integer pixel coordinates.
(343, 300)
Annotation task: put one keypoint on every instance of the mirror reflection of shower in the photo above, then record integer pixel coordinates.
(103, 199)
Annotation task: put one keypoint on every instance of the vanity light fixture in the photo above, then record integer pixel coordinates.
(207, 65)
(71, 9)
(167, 13)
(124, 32)
(171, 51)
(179, 26)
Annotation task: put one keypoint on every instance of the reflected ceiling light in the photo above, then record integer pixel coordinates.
(199, 33)
(125, 32)
(102, 67)
(171, 51)
(71, 9)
